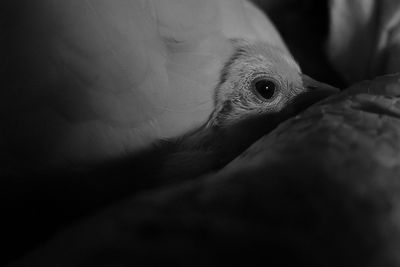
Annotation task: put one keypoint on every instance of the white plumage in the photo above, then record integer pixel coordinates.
(90, 80)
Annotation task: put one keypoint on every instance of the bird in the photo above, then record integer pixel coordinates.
(258, 85)
(94, 80)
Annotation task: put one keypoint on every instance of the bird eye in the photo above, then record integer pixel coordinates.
(265, 89)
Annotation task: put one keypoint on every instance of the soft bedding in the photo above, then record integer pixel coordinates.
(320, 190)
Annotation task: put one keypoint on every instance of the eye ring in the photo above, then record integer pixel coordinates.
(264, 88)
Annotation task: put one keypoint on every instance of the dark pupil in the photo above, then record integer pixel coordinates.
(265, 88)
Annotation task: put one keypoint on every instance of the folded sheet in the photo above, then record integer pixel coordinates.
(364, 39)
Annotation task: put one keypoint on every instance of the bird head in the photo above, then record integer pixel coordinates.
(262, 80)
(260, 86)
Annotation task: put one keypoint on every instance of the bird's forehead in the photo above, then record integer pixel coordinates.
(268, 61)
(269, 56)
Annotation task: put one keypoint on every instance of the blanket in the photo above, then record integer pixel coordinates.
(320, 190)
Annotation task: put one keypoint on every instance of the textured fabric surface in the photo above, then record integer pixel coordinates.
(320, 190)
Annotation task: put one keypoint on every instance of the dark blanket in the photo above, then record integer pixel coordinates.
(320, 190)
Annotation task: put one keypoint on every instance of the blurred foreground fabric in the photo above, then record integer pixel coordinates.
(320, 190)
